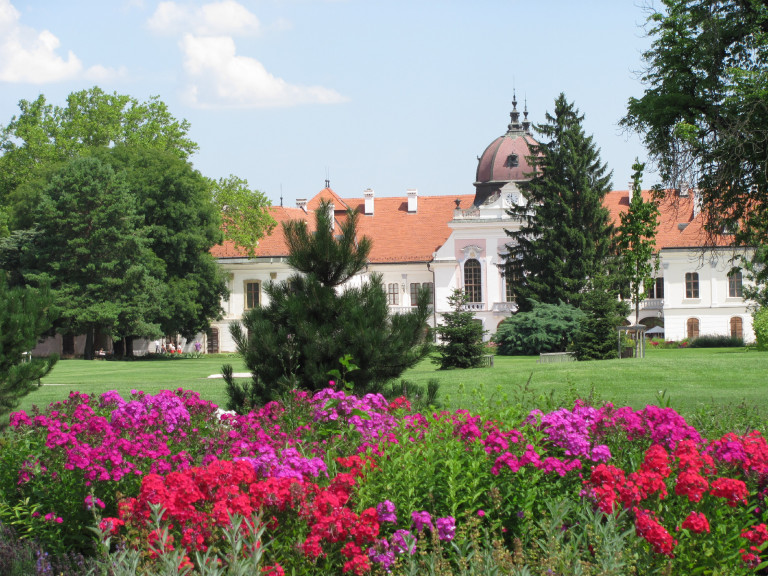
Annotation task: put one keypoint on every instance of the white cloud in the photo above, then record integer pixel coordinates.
(30, 56)
(225, 18)
(100, 73)
(221, 78)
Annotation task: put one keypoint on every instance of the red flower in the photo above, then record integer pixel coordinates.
(734, 491)
(696, 522)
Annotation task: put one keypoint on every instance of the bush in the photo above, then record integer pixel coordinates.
(716, 341)
(546, 328)
(596, 337)
(760, 327)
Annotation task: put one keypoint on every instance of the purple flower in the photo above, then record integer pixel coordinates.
(403, 541)
(421, 519)
(386, 511)
(446, 528)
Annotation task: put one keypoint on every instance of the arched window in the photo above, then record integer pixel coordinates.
(691, 285)
(692, 328)
(737, 327)
(473, 283)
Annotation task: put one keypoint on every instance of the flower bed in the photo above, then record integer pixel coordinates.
(340, 484)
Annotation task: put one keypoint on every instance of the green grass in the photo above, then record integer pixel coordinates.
(690, 378)
(694, 380)
(97, 376)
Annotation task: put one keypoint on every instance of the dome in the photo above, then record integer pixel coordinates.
(506, 158)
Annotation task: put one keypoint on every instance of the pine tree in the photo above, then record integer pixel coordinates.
(311, 322)
(25, 314)
(461, 335)
(566, 237)
(637, 240)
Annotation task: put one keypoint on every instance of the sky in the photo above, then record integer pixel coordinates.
(381, 94)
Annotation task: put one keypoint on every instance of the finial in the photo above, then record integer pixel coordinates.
(526, 122)
(514, 116)
(281, 195)
(327, 183)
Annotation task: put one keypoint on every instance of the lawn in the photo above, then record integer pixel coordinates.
(691, 379)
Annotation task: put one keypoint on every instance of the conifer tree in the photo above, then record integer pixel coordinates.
(25, 314)
(566, 236)
(461, 335)
(311, 321)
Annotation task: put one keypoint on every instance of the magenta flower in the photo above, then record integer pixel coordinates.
(421, 519)
(446, 528)
(386, 511)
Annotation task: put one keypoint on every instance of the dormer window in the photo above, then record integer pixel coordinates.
(512, 161)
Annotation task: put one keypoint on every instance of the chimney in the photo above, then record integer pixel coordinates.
(301, 203)
(696, 203)
(413, 196)
(368, 195)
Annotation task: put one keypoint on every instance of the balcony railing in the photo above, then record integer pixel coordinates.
(504, 307)
(652, 304)
(475, 306)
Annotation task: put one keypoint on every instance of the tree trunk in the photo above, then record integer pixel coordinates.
(88, 350)
(118, 348)
(128, 345)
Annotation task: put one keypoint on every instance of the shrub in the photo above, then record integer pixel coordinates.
(716, 341)
(546, 328)
(760, 327)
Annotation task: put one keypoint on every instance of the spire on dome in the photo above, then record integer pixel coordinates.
(526, 122)
(514, 116)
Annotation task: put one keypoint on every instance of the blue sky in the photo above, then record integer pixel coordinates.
(382, 94)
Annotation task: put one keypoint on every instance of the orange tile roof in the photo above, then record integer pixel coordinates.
(402, 237)
(397, 235)
(678, 227)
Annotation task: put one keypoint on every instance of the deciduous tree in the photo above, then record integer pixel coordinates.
(637, 240)
(92, 247)
(704, 110)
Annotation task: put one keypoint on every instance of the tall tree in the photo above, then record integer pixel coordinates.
(637, 239)
(92, 248)
(181, 223)
(43, 135)
(704, 111)
(566, 236)
(25, 315)
(311, 321)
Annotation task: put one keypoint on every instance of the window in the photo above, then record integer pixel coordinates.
(737, 327)
(392, 294)
(473, 284)
(691, 285)
(416, 287)
(509, 287)
(734, 285)
(692, 328)
(252, 292)
(655, 289)
(512, 161)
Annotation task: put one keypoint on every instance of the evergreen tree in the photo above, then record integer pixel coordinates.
(604, 312)
(545, 328)
(461, 335)
(310, 321)
(25, 315)
(566, 236)
(637, 240)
